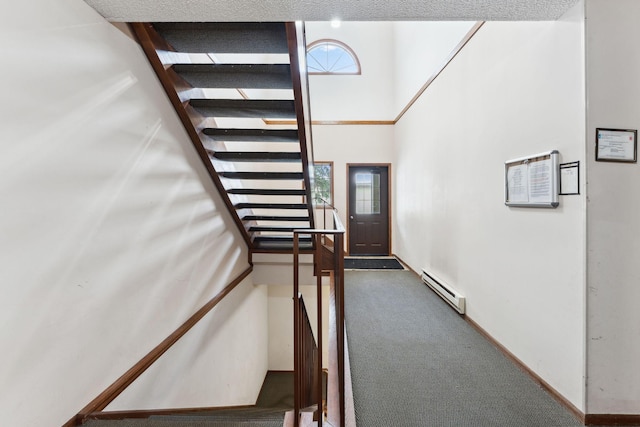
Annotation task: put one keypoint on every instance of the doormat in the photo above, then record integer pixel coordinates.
(370, 263)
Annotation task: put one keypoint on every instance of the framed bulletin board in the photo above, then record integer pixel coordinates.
(532, 181)
(616, 145)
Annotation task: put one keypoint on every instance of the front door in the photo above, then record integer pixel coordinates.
(368, 210)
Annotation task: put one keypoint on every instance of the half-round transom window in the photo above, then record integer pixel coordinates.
(331, 57)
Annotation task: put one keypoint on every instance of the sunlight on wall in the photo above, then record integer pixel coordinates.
(111, 230)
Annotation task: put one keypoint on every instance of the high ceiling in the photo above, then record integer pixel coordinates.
(325, 10)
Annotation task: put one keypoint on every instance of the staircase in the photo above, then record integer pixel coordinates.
(275, 399)
(229, 84)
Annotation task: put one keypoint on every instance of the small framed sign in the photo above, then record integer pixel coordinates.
(569, 178)
(617, 145)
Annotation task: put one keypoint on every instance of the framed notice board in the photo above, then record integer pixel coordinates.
(532, 181)
(617, 145)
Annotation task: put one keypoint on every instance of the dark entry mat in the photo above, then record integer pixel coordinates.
(372, 264)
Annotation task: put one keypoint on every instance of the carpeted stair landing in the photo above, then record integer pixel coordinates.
(276, 398)
(239, 420)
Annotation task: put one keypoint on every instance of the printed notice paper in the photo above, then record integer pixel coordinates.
(616, 145)
(518, 186)
(532, 181)
(540, 181)
(570, 178)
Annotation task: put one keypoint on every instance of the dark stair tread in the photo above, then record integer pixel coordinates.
(275, 218)
(281, 243)
(246, 108)
(282, 238)
(263, 175)
(250, 205)
(267, 191)
(253, 135)
(257, 156)
(236, 76)
(225, 37)
(256, 228)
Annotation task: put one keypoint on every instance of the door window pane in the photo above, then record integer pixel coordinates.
(367, 193)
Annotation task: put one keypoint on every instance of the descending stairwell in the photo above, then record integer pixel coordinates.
(227, 81)
(275, 399)
(240, 93)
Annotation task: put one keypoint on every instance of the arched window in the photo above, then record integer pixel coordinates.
(331, 57)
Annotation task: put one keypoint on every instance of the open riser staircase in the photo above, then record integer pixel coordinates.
(242, 98)
(229, 82)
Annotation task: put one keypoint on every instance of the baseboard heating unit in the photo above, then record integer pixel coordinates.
(446, 292)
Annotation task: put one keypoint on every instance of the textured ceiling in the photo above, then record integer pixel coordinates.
(325, 10)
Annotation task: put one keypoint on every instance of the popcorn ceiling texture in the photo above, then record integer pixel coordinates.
(325, 10)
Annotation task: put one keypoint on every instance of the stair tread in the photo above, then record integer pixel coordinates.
(282, 238)
(240, 76)
(275, 218)
(257, 156)
(275, 228)
(246, 108)
(239, 414)
(252, 135)
(251, 205)
(263, 175)
(225, 37)
(273, 420)
(267, 191)
(281, 243)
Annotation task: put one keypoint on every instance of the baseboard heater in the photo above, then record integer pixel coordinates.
(450, 295)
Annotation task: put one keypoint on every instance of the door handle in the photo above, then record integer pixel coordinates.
(350, 216)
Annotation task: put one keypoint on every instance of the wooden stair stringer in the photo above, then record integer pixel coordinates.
(197, 112)
(146, 36)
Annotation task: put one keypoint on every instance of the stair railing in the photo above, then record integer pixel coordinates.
(334, 266)
(325, 205)
(308, 356)
(300, 81)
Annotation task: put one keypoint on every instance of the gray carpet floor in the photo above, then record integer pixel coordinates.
(416, 362)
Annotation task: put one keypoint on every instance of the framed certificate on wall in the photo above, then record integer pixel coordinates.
(532, 181)
(616, 145)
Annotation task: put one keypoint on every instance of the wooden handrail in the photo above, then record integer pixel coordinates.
(300, 80)
(326, 205)
(336, 271)
(338, 228)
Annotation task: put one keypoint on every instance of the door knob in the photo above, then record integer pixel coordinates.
(350, 216)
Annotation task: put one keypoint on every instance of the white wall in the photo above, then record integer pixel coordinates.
(426, 46)
(111, 233)
(222, 361)
(613, 323)
(368, 96)
(281, 323)
(516, 89)
(275, 271)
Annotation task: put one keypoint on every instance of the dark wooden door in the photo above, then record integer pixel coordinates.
(368, 210)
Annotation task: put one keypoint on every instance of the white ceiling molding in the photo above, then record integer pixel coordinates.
(326, 10)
